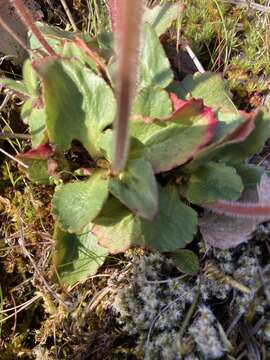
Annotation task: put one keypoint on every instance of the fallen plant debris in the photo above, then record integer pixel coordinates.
(136, 159)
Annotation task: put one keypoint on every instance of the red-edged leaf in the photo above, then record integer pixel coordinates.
(92, 54)
(242, 131)
(220, 145)
(42, 152)
(176, 140)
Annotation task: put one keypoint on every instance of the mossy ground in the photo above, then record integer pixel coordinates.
(42, 320)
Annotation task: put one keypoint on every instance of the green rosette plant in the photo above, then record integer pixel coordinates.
(173, 143)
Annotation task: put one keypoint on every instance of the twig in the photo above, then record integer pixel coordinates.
(26, 252)
(250, 4)
(26, 17)
(21, 307)
(5, 101)
(13, 158)
(69, 15)
(7, 135)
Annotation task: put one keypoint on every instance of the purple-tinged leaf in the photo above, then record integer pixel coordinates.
(232, 223)
(42, 152)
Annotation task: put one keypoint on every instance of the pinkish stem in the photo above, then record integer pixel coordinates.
(127, 17)
(26, 17)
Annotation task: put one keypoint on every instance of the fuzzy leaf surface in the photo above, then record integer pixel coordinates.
(78, 104)
(37, 171)
(35, 117)
(117, 229)
(152, 103)
(137, 188)
(30, 78)
(214, 181)
(76, 204)
(155, 68)
(175, 225)
(173, 142)
(162, 16)
(77, 256)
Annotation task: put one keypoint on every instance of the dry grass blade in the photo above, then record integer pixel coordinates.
(128, 24)
(250, 4)
(69, 15)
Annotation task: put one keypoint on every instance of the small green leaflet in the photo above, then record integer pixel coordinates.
(186, 261)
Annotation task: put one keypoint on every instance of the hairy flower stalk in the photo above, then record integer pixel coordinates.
(26, 17)
(126, 17)
(240, 209)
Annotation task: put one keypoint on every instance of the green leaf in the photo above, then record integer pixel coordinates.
(79, 104)
(152, 103)
(136, 188)
(214, 181)
(116, 228)
(171, 143)
(209, 87)
(238, 152)
(162, 16)
(228, 133)
(186, 261)
(35, 118)
(106, 43)
(37, 171)
(72, 49)
(30, 79)
(53, 35)
(77, 256)
(15, 85)
(155, 68)
(174, 227)
(105, 144)
(75, 205)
